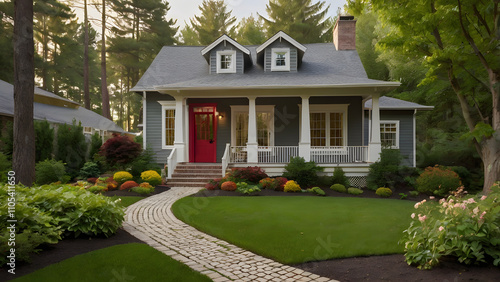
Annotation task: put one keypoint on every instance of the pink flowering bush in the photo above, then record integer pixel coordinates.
(467, 228)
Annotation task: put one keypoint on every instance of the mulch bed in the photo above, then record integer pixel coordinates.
(374, 268)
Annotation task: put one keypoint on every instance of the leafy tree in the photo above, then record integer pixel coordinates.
(214, 21)
(300, 19)
(6, 39)
(251, 31)
(458, 42)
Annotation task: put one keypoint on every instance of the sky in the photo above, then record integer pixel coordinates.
(182, 10)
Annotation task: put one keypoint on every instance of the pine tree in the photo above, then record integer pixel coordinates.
(250, 31)
(300, 19)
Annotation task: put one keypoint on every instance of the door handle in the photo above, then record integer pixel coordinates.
(211, 141)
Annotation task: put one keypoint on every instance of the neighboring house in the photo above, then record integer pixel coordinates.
(260, 105)
(57, 110)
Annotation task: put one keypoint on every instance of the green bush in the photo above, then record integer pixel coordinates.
(152, 177)
(304, 173)
(465, 228)
(89, 169)
(7, 139)
(244, 188)
(384, 192)
(142, 190)
(339, 188)
(318, 191)
(122, 176)
(339, 177)
(50, 171)
(95, 145)
(46, 214)
(354, 191)
(388, 172)
(71, 147)
(438, 181)
(145, 161)
(44, 140)
(414, 193)
(97, 189)
(5, 167)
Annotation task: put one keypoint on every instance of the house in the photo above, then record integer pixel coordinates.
(56, 110)
(260, 105)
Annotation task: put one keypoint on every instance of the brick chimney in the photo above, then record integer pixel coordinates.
(344, 33)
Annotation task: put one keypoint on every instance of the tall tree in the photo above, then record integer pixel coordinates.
(214, 21)
(6, 39)
(86, 93)
(302, 20)
(104, 83)
(250, 31)
(458, 41)
(23, 158)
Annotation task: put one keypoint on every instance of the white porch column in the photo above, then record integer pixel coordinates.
(305, 131)
(375, 146)
(179, 141)
(252, 144)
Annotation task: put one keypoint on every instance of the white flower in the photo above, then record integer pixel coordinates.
(432, 197)
(413, 215)
(441, 228)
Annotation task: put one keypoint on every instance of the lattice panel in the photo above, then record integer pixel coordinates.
(357, 181)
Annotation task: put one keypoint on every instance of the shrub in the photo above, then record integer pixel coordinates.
(7, 140)
(120, 150)
(305, 173)
(95, 145)
(269, 183)
(89, 169)
(339, 177)
(213, 184)
(244, 188)
(384, 192)
(92, 180)
(354, 191)
(228, 186)
(97, 189)
(467, 228)
(143, 190)
(339, 188)
(50, 171)
(438, 181)
(5, 167)
(71, 147)
(112, 185)
(128, 184)
(281, 183)
(44, 140)
(145, 161)
(414, 193)
(146, 185)
(388, 172)
(316, 190)
(292, 186)
(246, 174)
(152, 177)
(122, 176)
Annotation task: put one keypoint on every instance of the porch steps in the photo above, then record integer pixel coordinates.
(194, 175)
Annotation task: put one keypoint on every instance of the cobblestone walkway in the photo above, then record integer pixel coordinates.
(152, 221)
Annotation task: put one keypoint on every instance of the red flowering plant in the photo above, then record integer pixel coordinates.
(246, 174)
(213, 184)
(120, 150)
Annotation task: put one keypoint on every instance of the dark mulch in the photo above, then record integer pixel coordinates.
(375, 268)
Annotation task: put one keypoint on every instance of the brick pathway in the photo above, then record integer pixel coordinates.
(151, 221)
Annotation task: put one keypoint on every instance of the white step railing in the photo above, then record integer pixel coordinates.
(339, 155)
(171, 163)
(226, 159)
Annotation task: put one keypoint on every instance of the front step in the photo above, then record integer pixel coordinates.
(194, 175)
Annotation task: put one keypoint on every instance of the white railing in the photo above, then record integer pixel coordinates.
(171, 163)
(225, 159)
(238, 154)
(339, 155)
(277, 154)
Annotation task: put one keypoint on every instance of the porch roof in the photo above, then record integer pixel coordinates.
(389, 103)
(178, 68)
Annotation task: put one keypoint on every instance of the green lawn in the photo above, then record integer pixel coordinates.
(297, 229)
(128, 262)
(127, 200)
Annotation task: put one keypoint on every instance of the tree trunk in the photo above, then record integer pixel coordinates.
(490, 154)
(86, 94)
(23, 157)
(104, 83)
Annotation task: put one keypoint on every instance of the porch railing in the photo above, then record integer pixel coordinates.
(226, 159)
(320, 155)
(339, 155)
(171, 163)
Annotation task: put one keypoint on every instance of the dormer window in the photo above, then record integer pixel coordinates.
(280, 59)
(226, 61)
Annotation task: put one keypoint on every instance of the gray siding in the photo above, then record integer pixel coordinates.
(154, 125)
(282, 44)
(240, 65)
(406, 137)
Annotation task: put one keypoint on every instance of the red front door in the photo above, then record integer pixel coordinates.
(203, 133)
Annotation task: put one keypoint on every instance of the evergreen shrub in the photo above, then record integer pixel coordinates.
(304, 173)
(50, 171)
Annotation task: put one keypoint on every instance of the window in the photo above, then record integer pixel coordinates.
(168, 124)
(280, 59)
(328, 125)
(389, 134)
(265, 125)
(226, 61)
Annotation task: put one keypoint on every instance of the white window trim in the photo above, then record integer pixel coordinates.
(88, 130)
(232, 53)
(259, 109)
(165, 105)
(329, 108)
(274, 52)
(396, 122)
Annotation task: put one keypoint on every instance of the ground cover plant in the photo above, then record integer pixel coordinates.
(137, 262)
(299, 229)
(467, 228)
